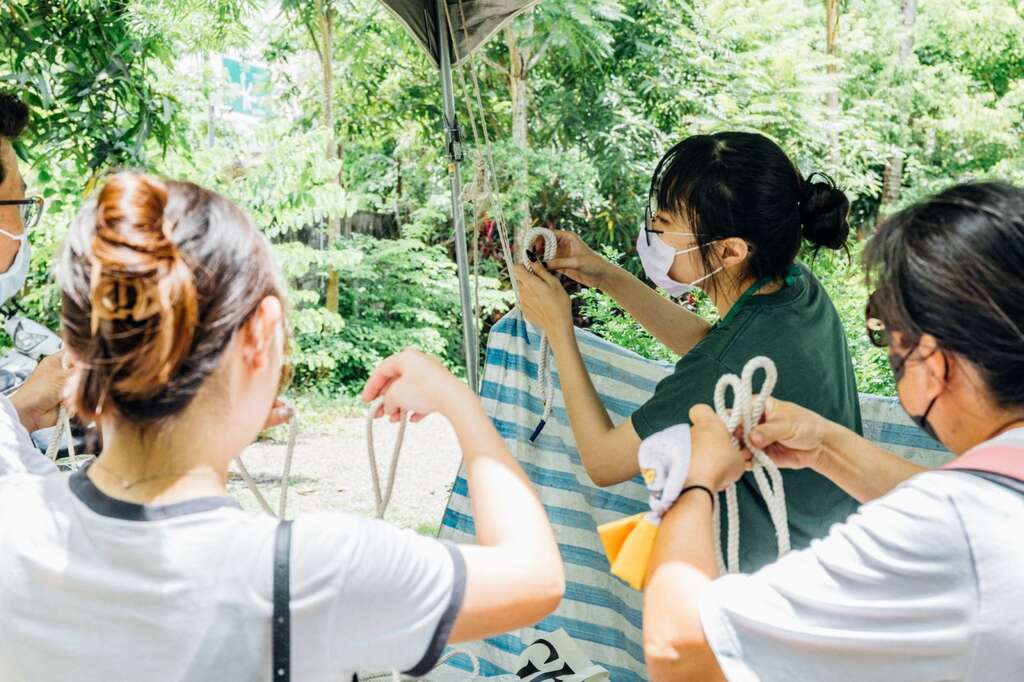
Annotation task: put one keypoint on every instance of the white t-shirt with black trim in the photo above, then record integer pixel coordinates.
(97, 589)
(925, 584)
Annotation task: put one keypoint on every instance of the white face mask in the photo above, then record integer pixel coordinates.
(13, 279)
(657, 259)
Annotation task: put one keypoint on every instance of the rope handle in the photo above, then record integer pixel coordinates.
(383, 498)
(544, 376)
(746, 411)
(286, 470)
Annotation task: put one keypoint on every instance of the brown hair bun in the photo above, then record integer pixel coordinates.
(156, 277)
(140, 284)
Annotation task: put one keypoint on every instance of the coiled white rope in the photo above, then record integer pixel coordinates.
(547, 382)
(747, 409)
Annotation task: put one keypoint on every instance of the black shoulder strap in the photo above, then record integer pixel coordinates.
(1005, 481)
(281, 639)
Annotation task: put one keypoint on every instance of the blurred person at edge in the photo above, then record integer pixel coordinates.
(35, 405)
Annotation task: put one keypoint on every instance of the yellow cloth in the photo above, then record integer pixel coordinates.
(628, 543)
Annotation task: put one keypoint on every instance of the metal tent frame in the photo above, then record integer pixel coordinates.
(475, 22)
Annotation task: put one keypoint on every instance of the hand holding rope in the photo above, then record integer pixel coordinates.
(544, 376)
(746, 411)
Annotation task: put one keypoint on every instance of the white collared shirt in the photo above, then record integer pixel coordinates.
(925, 584)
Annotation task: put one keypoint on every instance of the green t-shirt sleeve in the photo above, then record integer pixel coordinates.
(693, 382)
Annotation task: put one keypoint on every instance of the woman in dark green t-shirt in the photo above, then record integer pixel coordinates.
(726, 213)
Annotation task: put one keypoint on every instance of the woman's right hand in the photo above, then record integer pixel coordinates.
(791, 435)
(414, 383)
(578, 261)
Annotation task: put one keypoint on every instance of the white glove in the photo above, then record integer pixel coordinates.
(664, 459)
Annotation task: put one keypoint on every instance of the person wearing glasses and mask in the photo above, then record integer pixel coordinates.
(35, 404)
(924, 581)
(18, 213)
(727, 214)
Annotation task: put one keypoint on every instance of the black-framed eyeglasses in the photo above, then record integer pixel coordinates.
(31, 209)
(649, 228)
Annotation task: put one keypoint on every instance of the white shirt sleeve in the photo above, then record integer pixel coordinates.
(368, 596)
(890, 595)
(18, 454)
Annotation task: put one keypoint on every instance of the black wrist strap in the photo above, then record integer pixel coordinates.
(699, 487)
(281, 632)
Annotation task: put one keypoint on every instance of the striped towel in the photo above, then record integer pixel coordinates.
(601, 613)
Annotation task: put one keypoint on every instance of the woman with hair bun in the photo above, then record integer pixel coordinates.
(924, 583)
(141, 567)
(727, 213)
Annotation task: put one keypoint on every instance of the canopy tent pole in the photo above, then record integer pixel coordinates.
(453, 135)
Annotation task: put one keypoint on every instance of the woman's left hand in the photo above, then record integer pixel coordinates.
(280, 413)
(543, 300)
(715, 462)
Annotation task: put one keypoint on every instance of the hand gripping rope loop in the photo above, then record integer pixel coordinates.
(382, 497)
(747, 411)
(543, 363)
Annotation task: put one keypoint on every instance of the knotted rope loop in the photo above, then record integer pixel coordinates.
(746, 411)
(547, 382)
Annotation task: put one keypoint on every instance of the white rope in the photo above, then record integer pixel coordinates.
(286, 473)
(547, 382)
(53, 447)
(253, 487)
(282, 502)
(62, 431)
(747, 409)
(383, 498)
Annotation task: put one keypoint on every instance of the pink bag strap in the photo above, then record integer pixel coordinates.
(1004, 459)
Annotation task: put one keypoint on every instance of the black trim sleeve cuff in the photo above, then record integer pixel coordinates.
(444, 627)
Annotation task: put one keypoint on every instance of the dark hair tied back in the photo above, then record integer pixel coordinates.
(823, 212)
(740, 184)
(952, 266)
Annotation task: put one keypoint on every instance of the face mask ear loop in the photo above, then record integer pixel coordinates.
(16, 237)
(945, 379)
(706, 277)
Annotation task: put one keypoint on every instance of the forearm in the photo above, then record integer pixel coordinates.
(682, 564)
(496, 482)
(607, 459)
(858, 466)
(673, 325)
(514, 573)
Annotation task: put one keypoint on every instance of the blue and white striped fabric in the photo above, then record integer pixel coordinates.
(601, 613)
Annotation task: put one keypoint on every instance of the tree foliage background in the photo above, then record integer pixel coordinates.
(578, 97)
